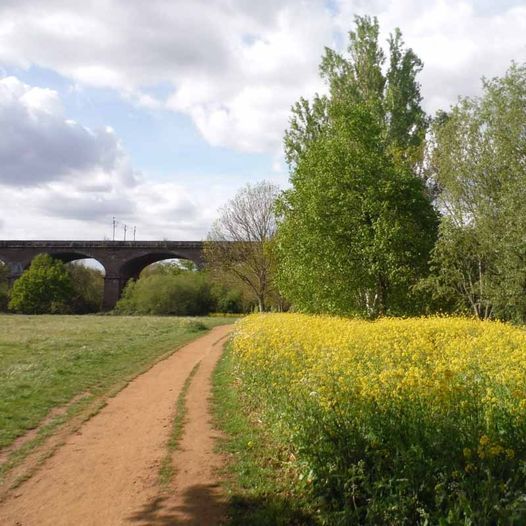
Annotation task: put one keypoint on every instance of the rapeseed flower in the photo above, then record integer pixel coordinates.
(438, 398)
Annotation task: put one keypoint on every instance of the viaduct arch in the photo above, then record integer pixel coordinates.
(122, 260)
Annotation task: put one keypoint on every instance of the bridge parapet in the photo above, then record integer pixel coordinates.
(100, 244)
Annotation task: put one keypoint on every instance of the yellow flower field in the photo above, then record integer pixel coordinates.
(431, 411)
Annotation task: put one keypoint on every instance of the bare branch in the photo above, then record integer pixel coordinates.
(239, 242)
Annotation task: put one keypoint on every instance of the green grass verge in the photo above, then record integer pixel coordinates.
(46, 361)
(260, 481)
(167, 470)
(86, 406)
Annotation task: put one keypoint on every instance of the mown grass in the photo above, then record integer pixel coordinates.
(260, 479)
(46, 361)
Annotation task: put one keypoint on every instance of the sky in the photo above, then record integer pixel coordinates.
(156, 112)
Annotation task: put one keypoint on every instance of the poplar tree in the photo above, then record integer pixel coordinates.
(357, 226)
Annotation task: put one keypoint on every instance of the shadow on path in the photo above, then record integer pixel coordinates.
(201, 506)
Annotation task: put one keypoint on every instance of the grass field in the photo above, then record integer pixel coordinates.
(48, 361)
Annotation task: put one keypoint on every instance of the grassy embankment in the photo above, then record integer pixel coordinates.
(261, 479)
(49, 362)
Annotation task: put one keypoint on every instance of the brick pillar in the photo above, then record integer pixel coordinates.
(113, 286)
(16, 269)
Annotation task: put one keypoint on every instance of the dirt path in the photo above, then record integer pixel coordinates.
(107, 473)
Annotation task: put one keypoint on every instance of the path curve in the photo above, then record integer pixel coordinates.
(107, 473)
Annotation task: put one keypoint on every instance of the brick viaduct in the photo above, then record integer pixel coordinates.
(122, 260)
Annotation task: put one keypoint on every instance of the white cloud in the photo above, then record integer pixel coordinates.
(235, 66)
(59, 179)
(64, 211)
(39, 144)
(248, 108)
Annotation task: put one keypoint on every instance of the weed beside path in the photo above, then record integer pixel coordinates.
(261, 490)
(46, 361)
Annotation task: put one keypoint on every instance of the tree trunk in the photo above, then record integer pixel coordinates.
(382, 296)
(261, 303)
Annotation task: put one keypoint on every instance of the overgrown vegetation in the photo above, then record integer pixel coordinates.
(371, 181)
(478, 165)
(46, 287)
(416, 421)
(175, 289)
(260, 479)
(88, 287)
(52, 287)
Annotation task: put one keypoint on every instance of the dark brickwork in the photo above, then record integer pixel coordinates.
(122, 260)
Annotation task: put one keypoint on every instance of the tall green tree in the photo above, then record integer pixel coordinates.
(357, 225)
(479, 162)
(45, 288)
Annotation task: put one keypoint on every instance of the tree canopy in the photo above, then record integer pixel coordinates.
(357, 226)
(479, 165)
(88, 287)
(45, 288)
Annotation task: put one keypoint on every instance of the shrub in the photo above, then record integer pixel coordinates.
(184, 294)
(45, 288)
(88, 286)
(228, 300)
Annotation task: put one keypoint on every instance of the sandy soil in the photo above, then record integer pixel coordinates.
(107, 473)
